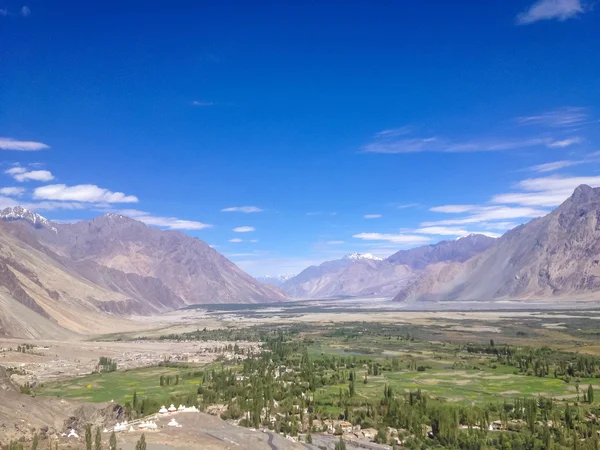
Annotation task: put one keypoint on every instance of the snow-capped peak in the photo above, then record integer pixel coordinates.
(356, 256)
(20, 213)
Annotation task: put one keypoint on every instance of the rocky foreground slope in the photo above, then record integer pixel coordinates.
(56, 279)
(555, 256)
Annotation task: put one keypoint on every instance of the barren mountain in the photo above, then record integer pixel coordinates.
(458, 250)
(555, 256)
(354, 275)
(60, 279)
(187, 266)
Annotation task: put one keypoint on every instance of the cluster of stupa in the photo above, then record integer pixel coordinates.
(150, 425)
(120, 426)
(181, 408)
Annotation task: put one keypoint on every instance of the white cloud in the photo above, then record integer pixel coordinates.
(372, 216)
(22, 146)
(453, 209)
(14, 191)
(202, 103)
(387, 145)
(243, 209)
(408, 205)
(451, 231)
(4, 12)
(171, 223)
(82, 193)
(407, 239)
(243, 229)
(545, 191)
(254, 241)
(321, 213)
(335, 242)
(556, 165)
(490, 213)
(22, 174)
(25, 11)
(566, 117)
(395, 132)
(566, 142)
(551, 9)
(236, 240)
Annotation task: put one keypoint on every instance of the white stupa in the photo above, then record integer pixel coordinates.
(163, 410)
(173, 423)
(172, 408)
(72, 434)
(181, 408)
(131, 429)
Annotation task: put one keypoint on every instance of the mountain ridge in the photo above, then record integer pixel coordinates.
(554, 256)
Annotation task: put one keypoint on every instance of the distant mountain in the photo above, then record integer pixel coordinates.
(275, 280)
(359, 275)
(458, 250)
(555, 256)
(81, 277)
(20, 213)
(365, 275)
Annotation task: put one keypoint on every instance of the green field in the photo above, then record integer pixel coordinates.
(120, 386)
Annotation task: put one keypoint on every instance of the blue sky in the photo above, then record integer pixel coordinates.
(288, 133)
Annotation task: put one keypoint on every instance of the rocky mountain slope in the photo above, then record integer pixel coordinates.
(556, 256)
(458, 250)
(57, 279)
(366, 275)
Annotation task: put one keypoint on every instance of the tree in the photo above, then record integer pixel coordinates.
(112, 442)
(341, 445)
(308, 438)
(590, 394)
(135, 400)
(98, 440)
(88, 437)
(141, 444)
(35, 443)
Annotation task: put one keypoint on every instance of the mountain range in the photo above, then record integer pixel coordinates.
(555, 256)
(61, 278)
(365, 275)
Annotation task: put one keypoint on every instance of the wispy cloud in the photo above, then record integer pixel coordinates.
(244, 229)
(202, 103)
(406, 239)
(390, 144)
(408, 205)
(335, 242)
(484, 214)
(565, 117)
(21, 146)
(551, 9)
(395, 132)
(543, 192)
(171, 223)
(553, 166)
(3, 12)
(372, 216)
(81, 193)
(236, 240)
(452, 231)
(22, 174)
(566, 142)
(12, 191)
(25, 11)
(243, 209)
